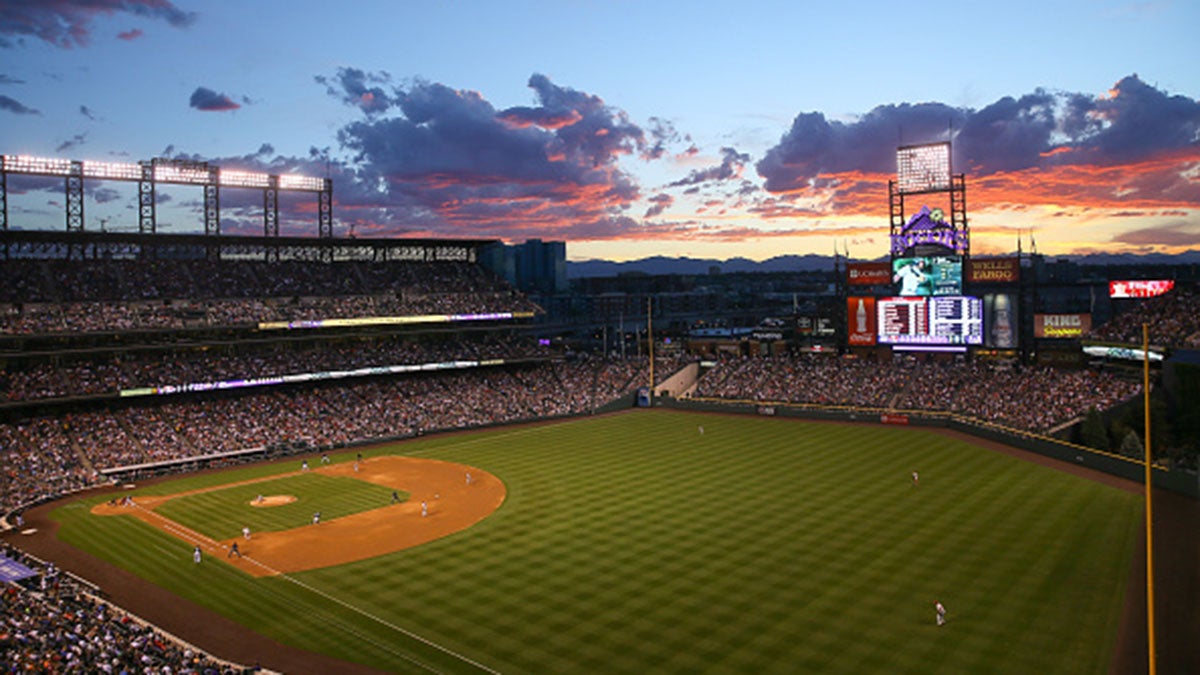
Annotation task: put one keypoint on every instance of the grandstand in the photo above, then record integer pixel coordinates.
(131, 357)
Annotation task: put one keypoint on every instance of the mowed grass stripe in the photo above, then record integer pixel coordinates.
(634, 543)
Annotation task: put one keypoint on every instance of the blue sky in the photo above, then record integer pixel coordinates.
(625, 128)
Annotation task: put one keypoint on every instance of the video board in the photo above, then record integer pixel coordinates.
(1139, 288)
(940, 320)
(928, 275)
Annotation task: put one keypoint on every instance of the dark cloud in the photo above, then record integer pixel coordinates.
(106, 195)
(360, 89)
(68, 23)
(662, 134)
(8, 79)
(87, 112)
(442, 160)
(598, 133)
(732, 163)
(14, 106)
(73, 142)
(210, 101)
(130, 35)
(815, 145)
(659, 203)
(1171, 235)
(1041, 129)
(1135, 121)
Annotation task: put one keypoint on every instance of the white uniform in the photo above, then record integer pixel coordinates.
(246, 532)
(196, 554)
(424, 509)
(941, 613)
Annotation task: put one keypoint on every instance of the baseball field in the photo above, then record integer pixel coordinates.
(650, 541)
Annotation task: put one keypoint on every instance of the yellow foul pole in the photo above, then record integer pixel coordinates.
(650, 341)
(1149, 509)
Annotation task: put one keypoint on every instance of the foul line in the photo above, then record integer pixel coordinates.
(192, 537)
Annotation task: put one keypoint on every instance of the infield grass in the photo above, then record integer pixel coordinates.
(221, 514)
(633, 543)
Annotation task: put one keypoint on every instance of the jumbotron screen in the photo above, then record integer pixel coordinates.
(928, 275)
(940, 320)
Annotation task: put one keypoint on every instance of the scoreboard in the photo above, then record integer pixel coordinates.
(937, 320)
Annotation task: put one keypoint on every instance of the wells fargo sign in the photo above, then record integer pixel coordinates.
(1064, 326)
(993, 270)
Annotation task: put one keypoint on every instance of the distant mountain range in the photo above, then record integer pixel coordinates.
(661, 265)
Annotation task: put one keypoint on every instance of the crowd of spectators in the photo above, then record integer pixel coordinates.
(57, 296)
(1030, 398)
(55, 454)
(50, 624)
(1173, 320)
(111, 374)
(791, 379)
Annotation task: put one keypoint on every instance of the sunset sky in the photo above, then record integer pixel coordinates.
(626, 129)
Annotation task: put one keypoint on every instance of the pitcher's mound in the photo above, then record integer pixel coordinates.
(273, 500)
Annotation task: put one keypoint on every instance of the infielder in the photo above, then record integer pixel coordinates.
(196, 555)
(941, 613)
(246, 532)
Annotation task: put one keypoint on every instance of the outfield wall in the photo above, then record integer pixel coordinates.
(1179, 481)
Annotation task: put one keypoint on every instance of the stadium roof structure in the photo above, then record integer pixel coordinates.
(16, 243)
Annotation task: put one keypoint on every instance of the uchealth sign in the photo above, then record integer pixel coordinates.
(1063, 326)
(993, 270)
(869, 274)
(1139, 288)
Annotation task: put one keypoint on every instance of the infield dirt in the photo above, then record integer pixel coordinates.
(452, 505)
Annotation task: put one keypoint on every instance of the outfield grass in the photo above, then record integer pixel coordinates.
(633, 543)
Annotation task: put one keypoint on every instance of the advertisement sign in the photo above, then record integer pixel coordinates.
(929, 275)
(1000, 317)
(1061, 326)
(868, 274)
(945, 320)
(861, 314)
(1139, 289)
(993, 270)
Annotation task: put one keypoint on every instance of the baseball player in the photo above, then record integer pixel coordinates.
(233, 550)
(468, 478)
(395, 497)
(316, 517)
(916, 479)
(196, 555)
(424, 509)
(941, 613)
(304, 465)
(246, 532)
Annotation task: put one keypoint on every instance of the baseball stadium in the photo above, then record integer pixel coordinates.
(227, 454)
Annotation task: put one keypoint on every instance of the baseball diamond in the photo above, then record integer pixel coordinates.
(628, 543)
